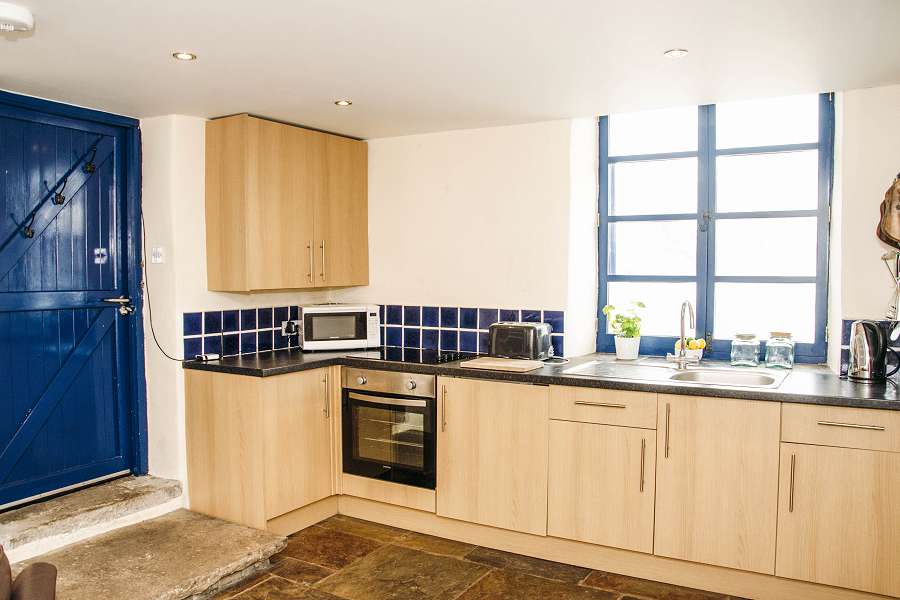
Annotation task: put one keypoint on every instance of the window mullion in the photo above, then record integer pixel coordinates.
(707, 225)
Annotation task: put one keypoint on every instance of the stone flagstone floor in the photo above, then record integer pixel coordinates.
(352, 559)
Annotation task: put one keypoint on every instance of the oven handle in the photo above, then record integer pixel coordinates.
(391, 401)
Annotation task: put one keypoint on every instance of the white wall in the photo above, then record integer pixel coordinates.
(870, 161)
(482, 217)
(173, 203)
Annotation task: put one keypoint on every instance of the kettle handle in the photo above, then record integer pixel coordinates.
(897, 367)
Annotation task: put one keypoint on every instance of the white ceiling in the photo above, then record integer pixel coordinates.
(414, 66)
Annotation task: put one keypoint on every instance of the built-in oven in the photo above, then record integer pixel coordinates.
(388, 426)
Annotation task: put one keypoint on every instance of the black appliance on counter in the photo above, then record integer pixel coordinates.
(388, 426)
(529, 341)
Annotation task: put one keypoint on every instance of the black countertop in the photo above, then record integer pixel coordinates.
(806, 384)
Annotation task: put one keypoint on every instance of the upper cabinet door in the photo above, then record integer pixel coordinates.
(717, 481)
(839, 517)
(492, 453)
(284, 183)
(342, 229)
(286, 207)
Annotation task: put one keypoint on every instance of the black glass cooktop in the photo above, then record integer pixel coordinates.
(414, 355)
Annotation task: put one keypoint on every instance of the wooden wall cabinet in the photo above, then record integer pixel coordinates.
(839, 517)
(258, 448)
(286, 207)
(717, 481)
(492, 453)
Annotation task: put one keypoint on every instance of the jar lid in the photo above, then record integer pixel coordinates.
(745, 336)
(781, 334)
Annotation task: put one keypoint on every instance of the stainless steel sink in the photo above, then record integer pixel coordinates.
(656, 371)
(730, 377)
(641, 370)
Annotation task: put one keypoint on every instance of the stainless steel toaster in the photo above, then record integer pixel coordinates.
(509, 339)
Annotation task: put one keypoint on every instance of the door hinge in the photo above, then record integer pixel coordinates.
(597, 221)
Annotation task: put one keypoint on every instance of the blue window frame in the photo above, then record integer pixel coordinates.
(767, 277)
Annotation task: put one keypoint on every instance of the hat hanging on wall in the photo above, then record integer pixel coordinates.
(888, 230)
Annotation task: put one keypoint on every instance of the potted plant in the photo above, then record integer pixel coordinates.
(627, 326)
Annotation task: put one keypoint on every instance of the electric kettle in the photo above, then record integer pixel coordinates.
(868, 353)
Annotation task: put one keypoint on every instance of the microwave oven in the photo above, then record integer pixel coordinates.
(339, 326)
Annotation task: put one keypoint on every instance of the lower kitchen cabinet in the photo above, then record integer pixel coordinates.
(492, 453)
(257, 447)
(839, 517)
(602, 481)
(717, 481)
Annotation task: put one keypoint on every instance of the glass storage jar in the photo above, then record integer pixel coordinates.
(780, 350)
(745, 350)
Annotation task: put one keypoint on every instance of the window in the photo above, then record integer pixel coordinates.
(726, 206)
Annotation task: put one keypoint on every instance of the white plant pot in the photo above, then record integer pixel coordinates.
(627, 348)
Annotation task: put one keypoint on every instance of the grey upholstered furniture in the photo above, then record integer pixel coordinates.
(35, 582)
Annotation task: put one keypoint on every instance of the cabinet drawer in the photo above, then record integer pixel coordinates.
(864, 428)
(607, 407)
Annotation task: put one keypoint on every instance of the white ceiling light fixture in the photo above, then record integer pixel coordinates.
(343, 102)
(184, 56)
(675, 53)
(15, 18)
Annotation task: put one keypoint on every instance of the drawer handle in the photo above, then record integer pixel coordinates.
(851, 425)
(603, 404)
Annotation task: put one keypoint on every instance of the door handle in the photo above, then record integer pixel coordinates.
(309, 273)
(443, 408)
(643, 452)
(668, 413)
(323, 260)
(326, 409)
(125, 306)
(791, 490)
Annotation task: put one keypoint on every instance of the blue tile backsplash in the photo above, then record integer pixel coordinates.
(460, 328)
(251, 330)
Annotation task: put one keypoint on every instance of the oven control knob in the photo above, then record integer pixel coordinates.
(361, 380)
(410, 385)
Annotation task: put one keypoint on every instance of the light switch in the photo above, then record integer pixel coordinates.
(158, 255)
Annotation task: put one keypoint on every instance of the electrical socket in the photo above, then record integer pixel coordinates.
(290, 328)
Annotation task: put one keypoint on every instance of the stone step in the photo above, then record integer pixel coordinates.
(179, 555)
(44, 526)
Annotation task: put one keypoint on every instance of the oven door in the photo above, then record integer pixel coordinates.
(389, 437)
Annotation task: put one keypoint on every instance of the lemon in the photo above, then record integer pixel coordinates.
(693, 345)
(701, 344)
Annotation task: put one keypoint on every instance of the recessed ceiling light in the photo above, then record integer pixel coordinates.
(184, 56)
(675, 53)
(343, 102)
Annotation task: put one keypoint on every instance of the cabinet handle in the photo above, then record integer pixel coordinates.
(791, 489)
(309, 273)
(604, 404)
(643, 452)
(326, 409)
(443, 408)
(851, 425)
(323, 261)
(668, 412)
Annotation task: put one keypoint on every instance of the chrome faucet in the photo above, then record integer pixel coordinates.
(681, 359)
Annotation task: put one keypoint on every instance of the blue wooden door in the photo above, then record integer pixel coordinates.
(65, 398)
